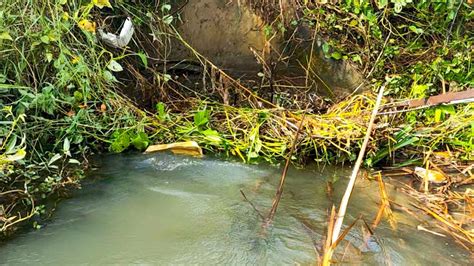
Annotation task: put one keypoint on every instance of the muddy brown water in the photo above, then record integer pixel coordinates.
(166, 209)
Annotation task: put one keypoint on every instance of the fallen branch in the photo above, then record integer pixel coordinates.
(253, 206)
(279, 191)
(466, 96)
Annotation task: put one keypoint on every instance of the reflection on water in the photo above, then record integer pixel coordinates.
(164, 209)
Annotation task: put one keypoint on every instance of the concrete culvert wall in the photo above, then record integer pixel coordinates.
(232, 35)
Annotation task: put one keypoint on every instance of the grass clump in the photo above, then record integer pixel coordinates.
(58, 102)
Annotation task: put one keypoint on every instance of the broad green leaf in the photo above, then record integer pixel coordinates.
(66, 146)
(11, 144)
(166, 77)
(165, 8)
(336, 55)
(325, 48)
(114, 66)
(56, 157)
(74, 161)
(438, 115)
(415, 29)
(49, 57)
(201, 118)
(168, 19)
(109, 76)
(161, 112)
(141, 141)
(5, 36)
(144, 59)
(382, 3)
(212, 136)
(19, 155)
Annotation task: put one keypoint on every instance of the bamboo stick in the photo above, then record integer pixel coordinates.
(345, 199)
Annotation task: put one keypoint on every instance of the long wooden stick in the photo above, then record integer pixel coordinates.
(345, 199)
(466, 96)
(279, 192)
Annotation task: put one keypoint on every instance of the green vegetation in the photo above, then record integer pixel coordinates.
(55, 89)
(63, 93)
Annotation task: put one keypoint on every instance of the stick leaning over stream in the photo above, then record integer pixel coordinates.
(279, 191)
(345, 199)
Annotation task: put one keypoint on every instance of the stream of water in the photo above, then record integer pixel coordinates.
(166, 209)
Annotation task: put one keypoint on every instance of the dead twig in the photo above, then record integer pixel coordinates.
(279, 191)
(253, 206)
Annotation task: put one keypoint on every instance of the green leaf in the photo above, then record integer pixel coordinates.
(419, 90)
(336, 55)
(56, 157)
(74, 161)
(49, 57)
(141, 141)
(212, 136)
(382, 3)
(121, 142)
(78, 96)
(45, 39)
(144, 58)
(19, 155)
(66, 146)
(402, 138)
(325, 48)
(114, 66)
(161, 112)
(166, 77)
(109, 76)
(165, 8)
(438, 115)
(168, 19)
(11, 144)
(201, 118)
(6, 36)
(415, 29)
(356, 58)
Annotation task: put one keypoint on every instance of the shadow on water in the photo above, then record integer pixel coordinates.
(177, 210)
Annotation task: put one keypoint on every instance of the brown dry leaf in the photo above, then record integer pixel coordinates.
(71, 113)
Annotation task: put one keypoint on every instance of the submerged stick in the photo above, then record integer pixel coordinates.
(345, 199)
(279, 192)
(253, 206)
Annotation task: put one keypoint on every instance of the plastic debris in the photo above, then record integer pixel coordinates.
(121, 40)
(186, 148)
(430, 175)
